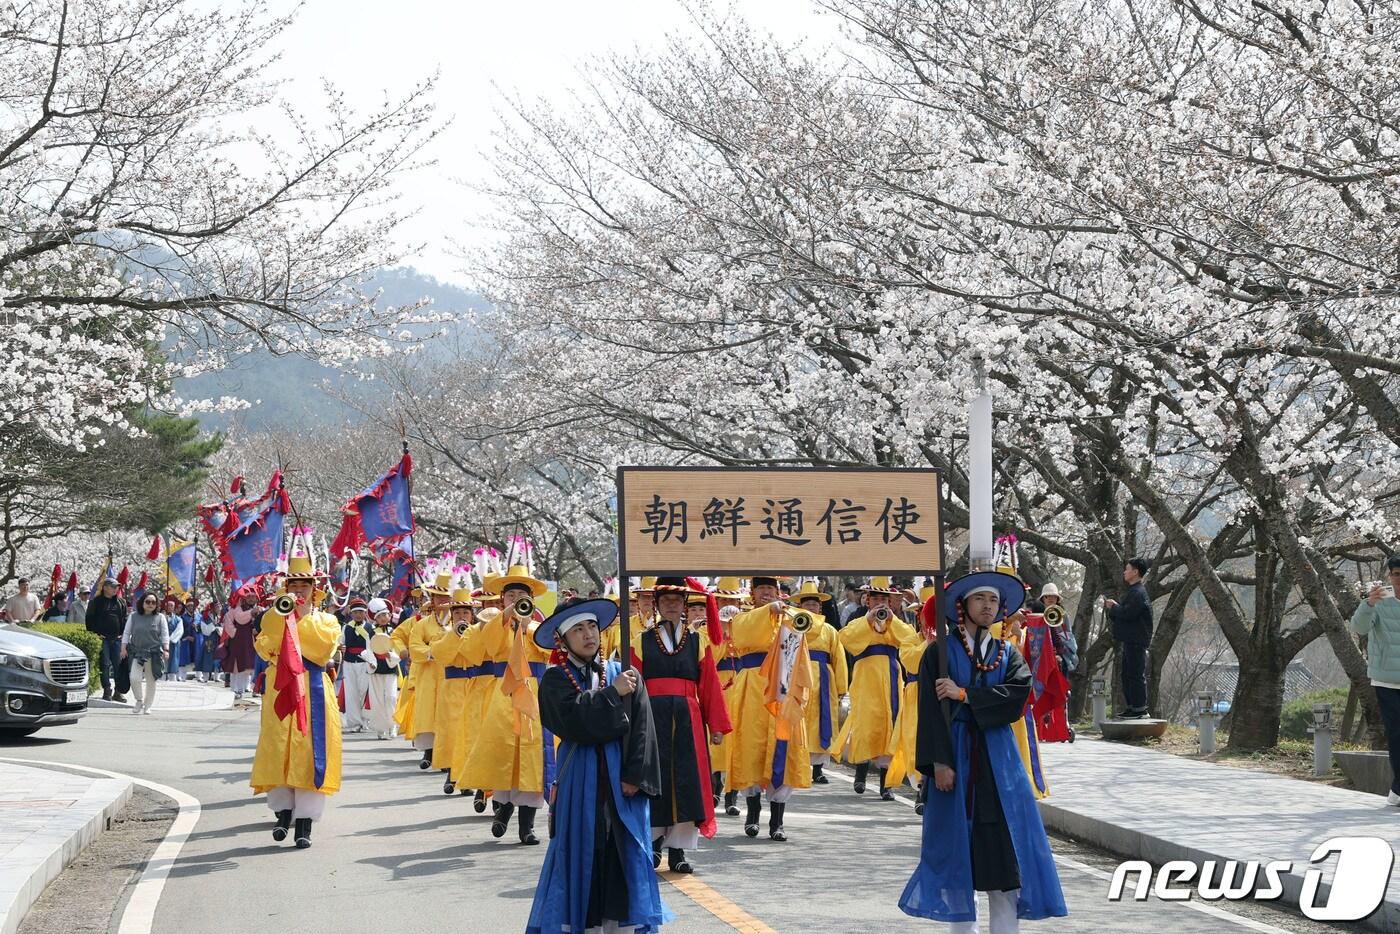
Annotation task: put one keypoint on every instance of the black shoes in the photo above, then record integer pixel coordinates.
(527, 827)
(862, 772)
(886, 794)
(775, 821)
(479, 802)
(284, 822)
(448, 787)
(502, 819)
(656, 853)
(303, 833)
(818, 777)
(427, 761)
(755, 803)
(675, 859)
(731, 803)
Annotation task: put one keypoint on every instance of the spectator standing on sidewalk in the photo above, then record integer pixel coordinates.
(77, 610)
(23, 607)
(146, 640)
(1378, 618)
(1132, 629)
(106, 617)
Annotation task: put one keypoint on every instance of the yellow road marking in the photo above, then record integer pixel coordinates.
(716, 904)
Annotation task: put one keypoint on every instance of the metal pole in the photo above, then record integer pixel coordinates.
(979, 478)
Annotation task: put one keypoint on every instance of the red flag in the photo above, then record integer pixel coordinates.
(73, 581)
(153, 552)
(122, 577)
(712, 626)
(141, 584)
(291, 689)
(209, 572)
(236, 487)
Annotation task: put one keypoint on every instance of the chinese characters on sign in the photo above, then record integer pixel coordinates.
(714, 520)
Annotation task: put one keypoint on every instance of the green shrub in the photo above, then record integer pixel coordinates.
(76, 634)
(1297, 714)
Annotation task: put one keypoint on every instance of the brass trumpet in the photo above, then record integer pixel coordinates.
(524, 608)
(1054, 615)
(880, 618)
(462, 626)
(802, 621)
(284, 605)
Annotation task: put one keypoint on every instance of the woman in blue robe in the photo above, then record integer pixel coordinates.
(982, 830)
(598, 868)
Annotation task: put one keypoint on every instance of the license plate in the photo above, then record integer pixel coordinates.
(77, 697)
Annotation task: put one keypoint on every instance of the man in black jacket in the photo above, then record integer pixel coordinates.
(106, 617)
(1132, 629)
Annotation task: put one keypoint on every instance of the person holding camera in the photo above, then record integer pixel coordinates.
(1132, 630)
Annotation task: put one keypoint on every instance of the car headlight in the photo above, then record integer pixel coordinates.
(21, 661)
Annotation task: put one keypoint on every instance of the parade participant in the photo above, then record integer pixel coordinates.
(384, 671)
(297, 762)
(906, 728)
(355, 664)
(770, 753)
(874, 640)
(982, 831)
(453, 649)
(240, 655)
(1013, 630)
(828, 673)
(176, 625)
(645, 597)
(480, 680)
(403, 713)
(596, 873)
(511, 755)
(687, 706)
(208, 644)
(429, 625)
(729, 598)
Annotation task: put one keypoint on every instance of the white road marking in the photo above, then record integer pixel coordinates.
(1070, 863)
(140, 913)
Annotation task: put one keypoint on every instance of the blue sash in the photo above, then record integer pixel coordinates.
(892, 654)
(452, 671)
(823, 660)
(316, 688)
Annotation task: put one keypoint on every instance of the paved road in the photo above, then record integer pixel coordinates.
(395, 854)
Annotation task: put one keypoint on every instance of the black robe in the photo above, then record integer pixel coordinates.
(994, 866)
(593, 718)
(683, 797)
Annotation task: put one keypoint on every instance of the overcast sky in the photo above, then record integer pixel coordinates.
(367, 47)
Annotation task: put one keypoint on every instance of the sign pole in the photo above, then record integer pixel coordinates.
(979, 474)
(624, 583)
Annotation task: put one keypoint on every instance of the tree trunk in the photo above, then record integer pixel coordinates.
(1259, 697)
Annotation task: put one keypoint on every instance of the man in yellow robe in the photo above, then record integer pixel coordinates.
(453, 649)
(512, 755)
(874, 641)
(1027, 739)
(769, 756)
(430, 625)
(828, 673)
(298, 770)
(403, 711)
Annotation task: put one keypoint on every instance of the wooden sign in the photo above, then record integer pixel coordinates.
(779, 520)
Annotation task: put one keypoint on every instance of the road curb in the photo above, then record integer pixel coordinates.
(28, 869)
(1136, 844)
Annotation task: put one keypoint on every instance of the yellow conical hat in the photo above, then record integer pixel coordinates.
(881, 585)
(516, 574)
(299, 567)
(462, 596)
(441, 586)
(729, 587)
(807, 591)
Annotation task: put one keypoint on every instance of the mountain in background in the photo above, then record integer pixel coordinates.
(292, 390)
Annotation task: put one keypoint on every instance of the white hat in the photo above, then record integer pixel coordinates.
(1049, 590)
(377, 606)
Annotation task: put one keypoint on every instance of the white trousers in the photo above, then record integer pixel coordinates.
(356, 676)
(1001, 915)
(820, 758)
(143, 685)
(240, 681)
(777, 795)
(523, 799)
(302, 802)
(423, 741)
(383, 699)
(679, 836)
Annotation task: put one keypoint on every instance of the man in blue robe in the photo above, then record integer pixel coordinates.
(982, 831)
(597, 873)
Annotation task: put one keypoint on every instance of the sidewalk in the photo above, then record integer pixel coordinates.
(1152, 805)
(178, 696)
(47, 817)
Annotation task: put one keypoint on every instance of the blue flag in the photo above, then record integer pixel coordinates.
(254, 547)
(179, 568)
